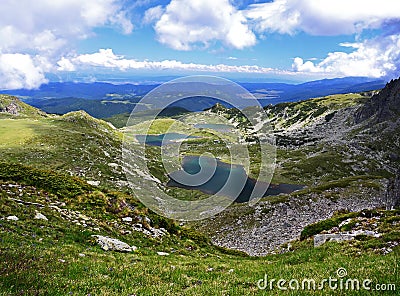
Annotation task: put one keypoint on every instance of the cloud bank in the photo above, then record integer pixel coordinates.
(34, 34)
(40, 36)
(322, 17)
(105, 58)
(375, 57)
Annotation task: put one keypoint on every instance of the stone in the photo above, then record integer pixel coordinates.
(93, 183)
(345, 222)
(12, 218)
(127, 219)
(113, 244)
(162, 253)
(12, 109)
(146, 219)
(40, 216)
(320, 239)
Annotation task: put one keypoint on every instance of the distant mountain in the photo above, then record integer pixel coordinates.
(281, 92)
(103, 100)
(92, 91)
(96, 108)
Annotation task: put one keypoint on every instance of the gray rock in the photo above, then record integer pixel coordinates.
(12, 218)
(93, 183)
(40, 216)
(320, 239)
(162, 253)
(275, 227)
(112, 244)
(127, 219)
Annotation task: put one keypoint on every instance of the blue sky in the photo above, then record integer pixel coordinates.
(296, 40)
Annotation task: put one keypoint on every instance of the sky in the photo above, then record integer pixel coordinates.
(287, 40)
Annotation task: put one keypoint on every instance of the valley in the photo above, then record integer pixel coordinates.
(338, 152)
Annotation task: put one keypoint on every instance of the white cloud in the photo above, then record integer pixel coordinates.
(65, 65)
(107, 59)
(184, 24)
(153, 14)
(322, 17)
(46, 30)
(21, 71)
(25, 24)
(379, 57)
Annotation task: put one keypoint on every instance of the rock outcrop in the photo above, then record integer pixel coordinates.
(384, 106)
(321, 239)
(11, 108)
(393, 193)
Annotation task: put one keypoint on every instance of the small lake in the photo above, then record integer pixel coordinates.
(233, 176)
(163, 139)
(223, 128)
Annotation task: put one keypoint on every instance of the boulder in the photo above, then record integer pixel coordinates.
(12, 218)
(320, 239)
(162, 253)
(112, 244)
(40, 216)
(127, 219)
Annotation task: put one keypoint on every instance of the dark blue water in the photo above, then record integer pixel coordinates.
(163, 139)
(221, 177)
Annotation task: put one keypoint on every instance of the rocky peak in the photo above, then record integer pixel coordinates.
(383, 106)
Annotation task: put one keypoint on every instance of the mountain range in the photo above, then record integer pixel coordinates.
(71, 224)
(103, 100)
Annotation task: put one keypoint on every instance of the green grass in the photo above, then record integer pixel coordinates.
(161, 126)
(31, 266)
(74, 143)
(16, 132)
(42, 258)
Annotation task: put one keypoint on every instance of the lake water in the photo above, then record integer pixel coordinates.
(163, 139)
(223, 128)
(222, 182)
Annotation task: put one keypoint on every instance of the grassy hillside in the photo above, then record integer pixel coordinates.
(74, 143)
(59, 256)
(11, 107)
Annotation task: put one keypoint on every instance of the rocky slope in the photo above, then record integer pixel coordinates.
(323, 143)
